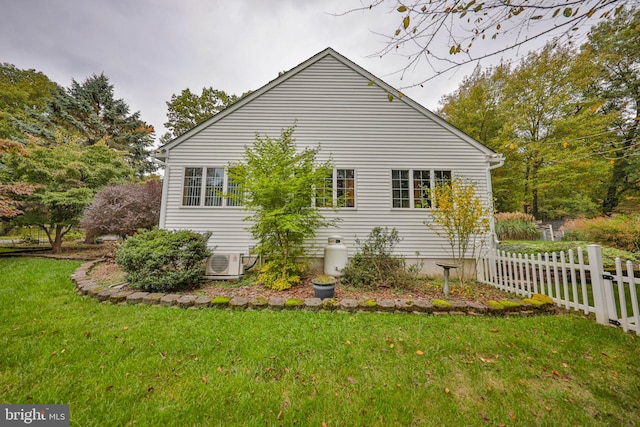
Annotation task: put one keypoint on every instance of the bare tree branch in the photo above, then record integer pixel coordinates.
(447, 34)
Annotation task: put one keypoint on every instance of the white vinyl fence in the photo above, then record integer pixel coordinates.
(570, 282)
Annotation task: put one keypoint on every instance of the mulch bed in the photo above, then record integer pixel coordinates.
(427, 289)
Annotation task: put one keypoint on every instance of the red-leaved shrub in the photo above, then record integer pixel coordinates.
(123, 209)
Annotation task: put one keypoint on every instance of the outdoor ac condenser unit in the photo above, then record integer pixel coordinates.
(225, 265)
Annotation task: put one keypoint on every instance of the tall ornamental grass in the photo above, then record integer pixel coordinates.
(516, 226)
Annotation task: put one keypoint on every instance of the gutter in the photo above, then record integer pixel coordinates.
(496, 159)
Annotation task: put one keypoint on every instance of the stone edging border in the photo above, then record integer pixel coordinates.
(85, 285)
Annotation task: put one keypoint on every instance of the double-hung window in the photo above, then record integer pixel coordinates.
(413, 188)
(207, 186)
(338, 190)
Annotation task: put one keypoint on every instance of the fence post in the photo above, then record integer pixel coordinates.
(596, 267)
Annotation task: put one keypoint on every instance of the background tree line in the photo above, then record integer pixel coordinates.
(566, 119)
(78, 153)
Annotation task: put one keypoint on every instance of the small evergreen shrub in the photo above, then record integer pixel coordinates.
(280, 275)
(162, 260)
(374, 264)
(516, 226)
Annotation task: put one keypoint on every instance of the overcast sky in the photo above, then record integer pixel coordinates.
(151, 49)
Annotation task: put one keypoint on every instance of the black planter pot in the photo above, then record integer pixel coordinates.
(323, 290)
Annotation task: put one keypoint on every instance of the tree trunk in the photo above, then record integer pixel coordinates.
(616, 186)
(56, 245)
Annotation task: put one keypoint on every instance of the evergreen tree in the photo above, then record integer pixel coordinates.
(89, 112)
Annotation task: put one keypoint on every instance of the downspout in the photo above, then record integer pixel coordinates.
(494, 161)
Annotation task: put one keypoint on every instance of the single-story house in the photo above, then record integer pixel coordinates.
(385, 152)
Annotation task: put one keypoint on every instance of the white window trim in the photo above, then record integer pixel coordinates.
(203, 187)
(334, 190)
(432, 176)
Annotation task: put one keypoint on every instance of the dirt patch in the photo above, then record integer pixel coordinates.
(82, 251)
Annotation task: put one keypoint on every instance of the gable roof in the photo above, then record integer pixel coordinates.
(160, 153)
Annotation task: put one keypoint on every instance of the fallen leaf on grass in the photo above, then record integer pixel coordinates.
(446, 390)
(419, 352)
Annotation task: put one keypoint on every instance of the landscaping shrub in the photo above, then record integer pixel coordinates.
(123, 209)
(279, 274)
(620, 231)
(162, 260)
(516, 226)
(374, 264)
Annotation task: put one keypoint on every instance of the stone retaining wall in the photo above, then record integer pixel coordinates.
(85, 285)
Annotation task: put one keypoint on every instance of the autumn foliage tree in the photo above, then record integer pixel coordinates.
(22, 92)
(12, 195)
(566, 121)
(123, 209)
(189, 109)
(68, 175)
(460, 218)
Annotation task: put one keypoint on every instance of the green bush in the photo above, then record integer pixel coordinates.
(163, 261)
(516, 226)
(374, 265)
(279, 274)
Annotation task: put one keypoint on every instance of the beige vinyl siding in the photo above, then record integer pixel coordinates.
(354, 123)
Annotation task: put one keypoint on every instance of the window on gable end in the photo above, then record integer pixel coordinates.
(207, 187)
(345, 188)
(214, 187)
(413, 188)
(192, 187)
(338, 189)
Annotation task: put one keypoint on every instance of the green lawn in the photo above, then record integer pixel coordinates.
(142, 365)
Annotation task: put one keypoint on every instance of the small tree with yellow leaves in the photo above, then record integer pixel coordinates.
(459, 216)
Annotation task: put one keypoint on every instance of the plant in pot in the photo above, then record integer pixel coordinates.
(323, 286)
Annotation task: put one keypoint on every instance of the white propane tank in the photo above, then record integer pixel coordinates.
(335, 256)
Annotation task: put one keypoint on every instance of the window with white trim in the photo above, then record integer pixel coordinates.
(339, 190)
(412, 188)
(207, 186)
